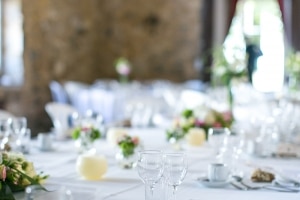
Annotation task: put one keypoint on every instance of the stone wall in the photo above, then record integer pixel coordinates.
(81, 39)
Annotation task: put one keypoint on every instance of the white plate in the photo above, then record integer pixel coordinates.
(212, 184)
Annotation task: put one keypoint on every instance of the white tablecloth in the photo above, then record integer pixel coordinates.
(125, 184)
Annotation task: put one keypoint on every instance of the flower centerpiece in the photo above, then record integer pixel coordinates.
(292, 66)
(127, 150)
(85, 137)
(228, 66)
(123, 68)
(16, 173)
(200, 117)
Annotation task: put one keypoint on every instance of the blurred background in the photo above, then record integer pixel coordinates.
(171, 40)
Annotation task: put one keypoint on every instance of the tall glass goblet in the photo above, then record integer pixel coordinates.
(150, 169)
(175, 169)
(216, 138)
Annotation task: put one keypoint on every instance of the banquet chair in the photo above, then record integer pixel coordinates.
(195, 84)
(58, 93)
(59, 114)
(103, 102)
(72, 89)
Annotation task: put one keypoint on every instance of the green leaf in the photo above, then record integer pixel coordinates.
(187, 113)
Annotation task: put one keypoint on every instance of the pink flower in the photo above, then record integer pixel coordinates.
(3, 174)
(199, 123)
(227, 116)
(85, 129)
(135, 140)
(217, 125)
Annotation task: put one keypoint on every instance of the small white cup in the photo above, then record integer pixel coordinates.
(218, 172)
(44, 141)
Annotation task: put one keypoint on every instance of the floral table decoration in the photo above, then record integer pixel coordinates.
(127, 149)
(16, 173)
(292, 67)
(85, 137)
(228, 67)
(200, 117)
(123, 68)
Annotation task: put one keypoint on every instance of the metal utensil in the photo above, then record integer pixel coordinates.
(273, 186)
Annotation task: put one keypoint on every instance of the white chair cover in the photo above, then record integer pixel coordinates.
(73, 88)
(58, 93)
(103, 102)
(59, 114)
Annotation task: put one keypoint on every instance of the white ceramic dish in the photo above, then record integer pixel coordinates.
(211, 184)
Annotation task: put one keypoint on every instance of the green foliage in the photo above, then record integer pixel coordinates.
(128, 144)
(176, 133)
(16, 174)
(225, 69)
(92, 133)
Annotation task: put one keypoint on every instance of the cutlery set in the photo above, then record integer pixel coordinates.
(238, 183)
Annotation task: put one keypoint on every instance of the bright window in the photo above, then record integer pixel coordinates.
(12, 43)
(261, 22)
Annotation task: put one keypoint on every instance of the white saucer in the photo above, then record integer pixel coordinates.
(212, 184)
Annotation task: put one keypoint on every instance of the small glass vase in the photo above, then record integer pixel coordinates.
(126, 162)
(84, 144)
(177, 144)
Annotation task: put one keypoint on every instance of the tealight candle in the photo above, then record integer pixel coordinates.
(195, 136)
(91, 167)
(113, 134)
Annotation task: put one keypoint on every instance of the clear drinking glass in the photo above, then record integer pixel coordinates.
(23, 141)
(175, 169)
(5, 134)
(150, 169)
(19, 124)
(216, 137)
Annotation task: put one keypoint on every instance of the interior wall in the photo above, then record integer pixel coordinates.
(80, 40)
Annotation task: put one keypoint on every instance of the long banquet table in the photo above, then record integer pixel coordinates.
(125, 184)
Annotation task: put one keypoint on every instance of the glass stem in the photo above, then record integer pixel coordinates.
(173, 193)
(149, 190)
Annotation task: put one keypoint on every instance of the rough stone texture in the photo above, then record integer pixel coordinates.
(81, 39)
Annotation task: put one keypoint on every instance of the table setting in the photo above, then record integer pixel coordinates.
(202, 153)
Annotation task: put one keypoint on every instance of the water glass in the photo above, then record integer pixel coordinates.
(5, 134)
(23, 141)
(150, 169)
(216, 138)
(175, 169)
(19, 125)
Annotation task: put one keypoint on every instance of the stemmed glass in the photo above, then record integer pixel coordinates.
(150, 169)
(175, 169)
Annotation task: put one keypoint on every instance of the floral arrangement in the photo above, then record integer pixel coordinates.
(89, 133)
(127, 144)
(201, 117)
(228, 67)
(292, 65)
(225, 69)
(123, 68)
(16, 173)
(85, 137)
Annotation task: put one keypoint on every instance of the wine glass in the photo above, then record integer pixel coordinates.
(175, 169)
(150, 169)
(216, 137)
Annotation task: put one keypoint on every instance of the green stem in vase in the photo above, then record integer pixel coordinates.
(230, 94)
